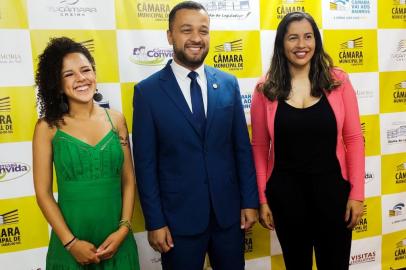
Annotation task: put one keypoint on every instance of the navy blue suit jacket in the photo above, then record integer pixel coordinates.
(181, 173)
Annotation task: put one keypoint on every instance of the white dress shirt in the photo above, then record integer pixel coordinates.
(184, 82)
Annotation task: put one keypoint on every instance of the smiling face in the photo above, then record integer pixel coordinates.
(299, 44)
(189, 35)
(78, 78)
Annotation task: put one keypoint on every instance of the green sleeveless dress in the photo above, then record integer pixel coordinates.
(89, 196)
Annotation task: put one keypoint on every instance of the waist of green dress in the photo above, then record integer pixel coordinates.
(85, 190)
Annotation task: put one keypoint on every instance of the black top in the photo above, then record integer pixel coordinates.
(305, 139)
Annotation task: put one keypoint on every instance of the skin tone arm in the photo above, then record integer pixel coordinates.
(265, 216)
(353, 213)
(161, 239)
(109, 247)
(84, 252)
(248, 218)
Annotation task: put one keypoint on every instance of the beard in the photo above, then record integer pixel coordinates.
(188, 61)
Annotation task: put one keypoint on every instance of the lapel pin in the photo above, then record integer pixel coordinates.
(215, 86)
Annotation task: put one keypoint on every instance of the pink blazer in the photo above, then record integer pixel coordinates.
(350, 144)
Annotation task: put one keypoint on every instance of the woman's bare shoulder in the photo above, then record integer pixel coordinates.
(44, 130)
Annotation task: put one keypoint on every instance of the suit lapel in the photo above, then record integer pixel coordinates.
(172, 89)
(213, 88)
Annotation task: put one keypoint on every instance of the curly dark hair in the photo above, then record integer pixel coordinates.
(48, 77)
(278, 79)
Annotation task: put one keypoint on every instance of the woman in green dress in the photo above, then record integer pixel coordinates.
(88, 146)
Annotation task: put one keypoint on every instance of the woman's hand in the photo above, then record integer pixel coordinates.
(84, 252)
(110, 246)
(353, 213)
(265, 216)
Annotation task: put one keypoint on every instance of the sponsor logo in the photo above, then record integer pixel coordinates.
(339, 5)
(71, 8)
(69, 2)
(364, 131)
(225, 5)
(9, 230)
(352, 44)
(9, 218)
(399, 93)
(355, 6)
(156, 10)
(5, 104)
(232, 46)
(400, 54)
(248, 242)
(400, 173)
(397, 213)
(351, 52)
(289, 6)
(350, 9)
(10, 58)
(396, 135)
(402, 45)
(6, 122)
(364, 93)
(369, 177)
(227, 9)
(13, 170)
(363, 258)
(397, 210)
(400, 251)
(362, 226)
(228, 55)
(150, 56)
(89, 44)
(399, 10)
(246, 101)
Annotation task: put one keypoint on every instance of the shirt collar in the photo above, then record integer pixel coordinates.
(182, 72)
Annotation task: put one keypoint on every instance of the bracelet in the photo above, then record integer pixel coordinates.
(70, 242)
(125, 223)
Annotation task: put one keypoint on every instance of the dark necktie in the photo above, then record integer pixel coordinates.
(197, 101)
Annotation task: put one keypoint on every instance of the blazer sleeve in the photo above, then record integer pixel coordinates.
(353, 141)
(145, 160)
(260, 140)
(243, 154)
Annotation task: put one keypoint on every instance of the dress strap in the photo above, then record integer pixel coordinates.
(111, 122)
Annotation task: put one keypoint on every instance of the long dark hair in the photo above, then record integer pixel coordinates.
(48, 77)
(277, 84)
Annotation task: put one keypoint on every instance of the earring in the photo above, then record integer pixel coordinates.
(97, 96)
(63, 106)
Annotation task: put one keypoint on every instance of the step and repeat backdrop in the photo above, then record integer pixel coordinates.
(367, 38)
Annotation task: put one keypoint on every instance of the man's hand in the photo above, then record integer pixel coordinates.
(248, 218)
(160, 240)
(265, 216)
(353, 213)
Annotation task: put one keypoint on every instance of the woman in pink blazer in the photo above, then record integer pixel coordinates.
(308, 149)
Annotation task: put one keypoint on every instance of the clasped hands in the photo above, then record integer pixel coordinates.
(86, 253)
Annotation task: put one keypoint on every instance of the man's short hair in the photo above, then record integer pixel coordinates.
(184, 5)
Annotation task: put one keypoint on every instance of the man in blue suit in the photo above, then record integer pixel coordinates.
(192, 154)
